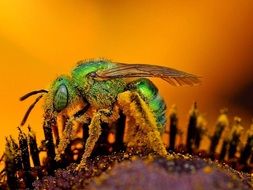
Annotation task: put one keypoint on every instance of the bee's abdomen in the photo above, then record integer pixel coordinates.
(149, 93)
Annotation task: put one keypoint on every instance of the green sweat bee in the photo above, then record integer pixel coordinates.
(98, 89)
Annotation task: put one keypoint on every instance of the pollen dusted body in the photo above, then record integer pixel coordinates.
(139, 100)
(98, 89)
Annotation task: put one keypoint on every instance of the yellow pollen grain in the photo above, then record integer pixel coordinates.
(207, 169)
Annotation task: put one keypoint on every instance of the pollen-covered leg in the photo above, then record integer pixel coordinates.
(64, 140)
(94, 133)
(68, 134)
(142, 129)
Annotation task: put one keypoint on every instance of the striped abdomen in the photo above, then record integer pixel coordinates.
(149, 93)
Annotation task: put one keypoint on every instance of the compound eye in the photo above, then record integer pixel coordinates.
(61, 98)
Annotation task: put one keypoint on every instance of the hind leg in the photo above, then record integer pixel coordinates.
(143, 128)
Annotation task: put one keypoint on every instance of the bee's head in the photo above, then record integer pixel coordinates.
(61, 95)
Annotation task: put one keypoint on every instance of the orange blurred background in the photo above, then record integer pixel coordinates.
(40, 40)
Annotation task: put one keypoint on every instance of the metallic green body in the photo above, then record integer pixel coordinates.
(103, 93)
(149, 93)
(99, 93)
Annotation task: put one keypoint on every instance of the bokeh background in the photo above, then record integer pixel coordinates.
(40, 40)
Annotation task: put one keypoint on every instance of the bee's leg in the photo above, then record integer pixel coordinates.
(94, 133)
(56, 134)
(67, 134)
(65, 139)
(143, 129)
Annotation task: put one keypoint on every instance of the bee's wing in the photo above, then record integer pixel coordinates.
(172, 76)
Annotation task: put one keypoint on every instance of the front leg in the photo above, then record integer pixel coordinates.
(101, 115)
